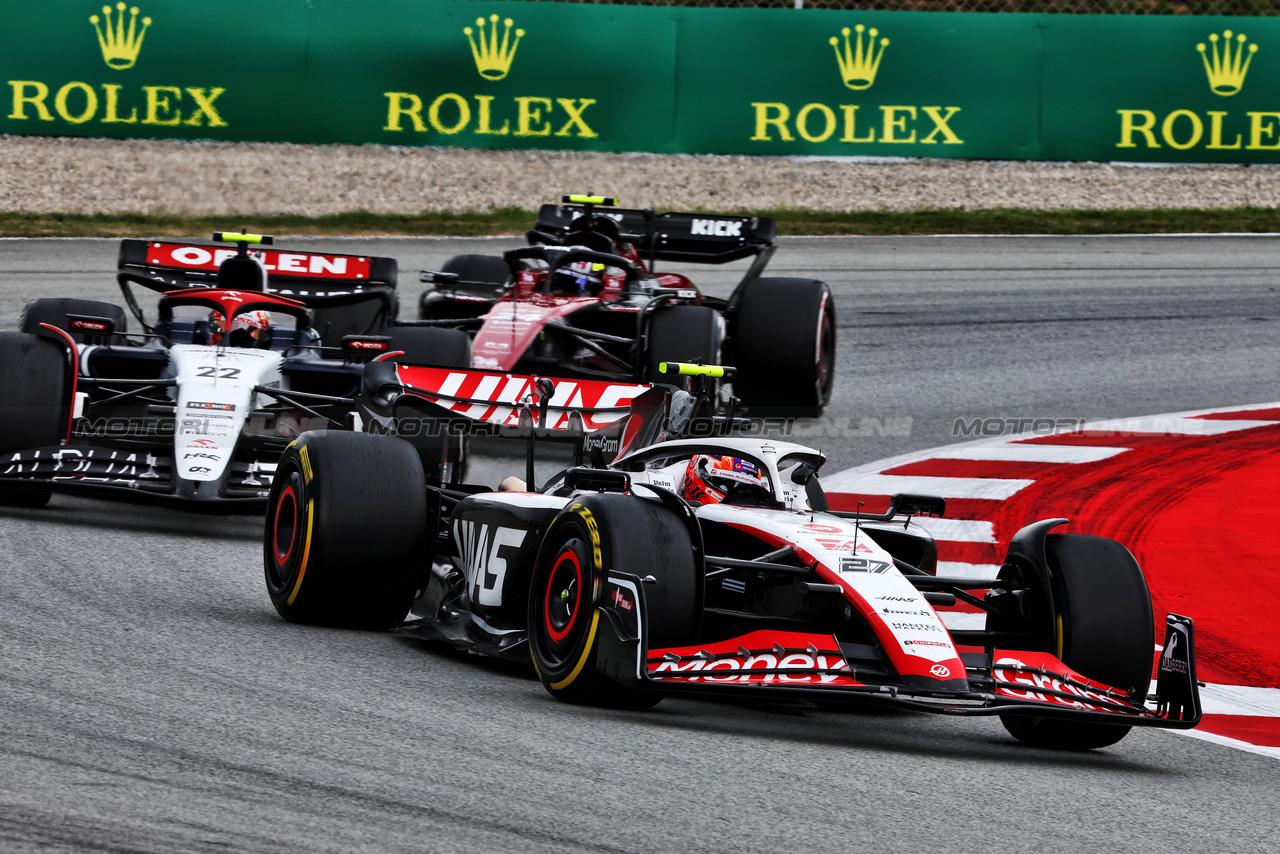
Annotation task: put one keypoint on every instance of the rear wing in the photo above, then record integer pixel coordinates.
(169, 266)
(681, 237)
(502, 400)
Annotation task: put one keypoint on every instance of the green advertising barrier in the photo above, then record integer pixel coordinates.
(893, 84)
(482, 73)
(1162, 89)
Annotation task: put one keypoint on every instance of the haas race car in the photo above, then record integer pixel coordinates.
(584, 300)
(246, 351)
(677, 559)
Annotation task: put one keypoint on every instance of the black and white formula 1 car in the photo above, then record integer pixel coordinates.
(585, 301)
(711, 566)
(197, 407)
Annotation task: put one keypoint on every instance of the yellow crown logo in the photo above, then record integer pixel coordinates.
(493, 61)
(859, 64)
(120, 49)
(1226, 70)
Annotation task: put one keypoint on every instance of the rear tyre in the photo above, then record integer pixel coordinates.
(627, 534)
(682, 333)
(424, 345)
(479, 274)
(1105, 631)
(345, 541)
(55, 311)
(784, 346)
(33, 403)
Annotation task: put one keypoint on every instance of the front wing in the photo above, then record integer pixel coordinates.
(813, 666)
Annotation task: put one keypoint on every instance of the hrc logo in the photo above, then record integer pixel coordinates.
(120, 48)
(858, 65)
(1226, 71)
(493, 61)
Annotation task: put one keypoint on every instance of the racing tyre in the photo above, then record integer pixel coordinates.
(54, 312)
(1104, 630)
(424, 345)
(683, 333)
(345, 540)
(784, 346)
(479, 274)
(33, 403)
(626, 534)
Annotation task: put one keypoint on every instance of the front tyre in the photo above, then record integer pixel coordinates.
(626, 534)
(783, 342)
(34, 403)
(1104, 630)
(345, 541)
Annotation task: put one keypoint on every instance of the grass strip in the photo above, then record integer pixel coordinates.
(516, 221)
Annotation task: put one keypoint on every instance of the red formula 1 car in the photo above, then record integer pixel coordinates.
(712, 566)
(584, 301)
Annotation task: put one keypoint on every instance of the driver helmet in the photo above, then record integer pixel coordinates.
(581, 278)
(709, 478)
(253, 322)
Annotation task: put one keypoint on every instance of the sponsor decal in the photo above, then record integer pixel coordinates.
(200, 455)
(940, 670)
(1030, 671)
(485, 551)
(1173, 660)
(311, 265)
(205, 404)
(924, 643)
(897, 599)
(450, 113)
(858, 63)
(717, 227)
(1226, 63)
(620, 599)
(357, 344)
(919, 613)
(735, 660)
(89, 326)
(493, 61)
(916, 627)
(77, 102)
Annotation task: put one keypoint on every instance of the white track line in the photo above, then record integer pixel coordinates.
(956, 569)
(1028, 453)
(958, 530)
(1240, 700)
(993, 488)
(1122, 427)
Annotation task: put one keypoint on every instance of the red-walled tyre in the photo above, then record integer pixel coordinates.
(625, 534)
(345, 542)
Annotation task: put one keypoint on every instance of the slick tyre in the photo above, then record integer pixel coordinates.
(483, 275)
(625, 534)
(1104, 630)
(56, 311)
(34, 403)
(345, 541)
(424, 345)
(783, 343)
(682, 333)
(443, 457)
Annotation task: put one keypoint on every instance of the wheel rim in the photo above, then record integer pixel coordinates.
(286, 522)
(286, 525)
(562, 602)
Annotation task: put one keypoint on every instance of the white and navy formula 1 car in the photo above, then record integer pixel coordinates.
(695, 562)
(196, 407)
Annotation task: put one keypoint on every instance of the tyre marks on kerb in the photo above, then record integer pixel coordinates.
(1190, 493)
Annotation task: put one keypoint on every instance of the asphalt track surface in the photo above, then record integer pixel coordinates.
(151, 699)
